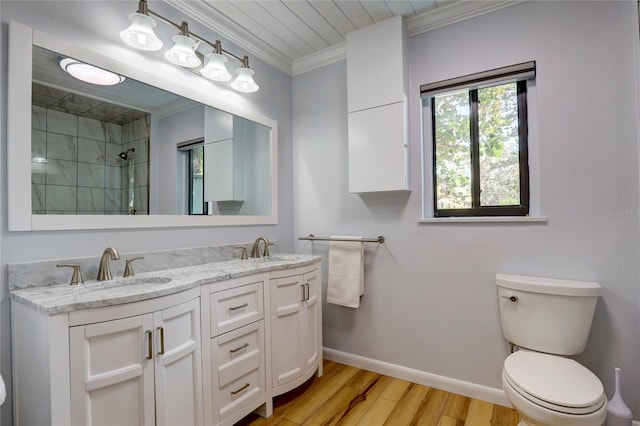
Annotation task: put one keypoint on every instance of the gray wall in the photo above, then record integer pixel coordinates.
(430, 299)
(98, 23)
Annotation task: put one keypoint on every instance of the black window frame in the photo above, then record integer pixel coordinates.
(205, 205)
(519, 74)
(188, 148)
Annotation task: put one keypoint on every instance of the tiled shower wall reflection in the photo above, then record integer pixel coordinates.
(76, 167)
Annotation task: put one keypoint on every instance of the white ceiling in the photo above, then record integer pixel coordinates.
(296, 36)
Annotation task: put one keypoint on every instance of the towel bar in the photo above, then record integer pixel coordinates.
(311, 237)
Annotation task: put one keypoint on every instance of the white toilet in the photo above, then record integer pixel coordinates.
(548, 320)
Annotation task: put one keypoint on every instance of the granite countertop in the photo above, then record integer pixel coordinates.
(55, 299)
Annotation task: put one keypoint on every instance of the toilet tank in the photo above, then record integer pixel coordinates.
(545, 314)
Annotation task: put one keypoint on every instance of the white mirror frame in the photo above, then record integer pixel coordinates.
(20, 217)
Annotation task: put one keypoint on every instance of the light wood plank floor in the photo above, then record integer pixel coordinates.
(347, 395)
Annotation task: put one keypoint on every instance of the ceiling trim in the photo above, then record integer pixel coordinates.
(319, 59)
(428, 21)
(228, 29)
(452, 13)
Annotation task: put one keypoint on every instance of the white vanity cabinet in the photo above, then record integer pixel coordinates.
(142, 370)
(135, 363)
(296, 327)
(231, 339)
(234, 359)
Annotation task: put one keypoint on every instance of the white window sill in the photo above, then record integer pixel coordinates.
(483, 219)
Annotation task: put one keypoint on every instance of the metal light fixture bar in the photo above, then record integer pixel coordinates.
(243, 82)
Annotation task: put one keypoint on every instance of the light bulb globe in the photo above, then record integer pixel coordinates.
(183, 52)
(215, 68)
(244, 81)
(140, 33)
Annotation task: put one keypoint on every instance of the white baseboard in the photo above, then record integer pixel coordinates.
(472, 390)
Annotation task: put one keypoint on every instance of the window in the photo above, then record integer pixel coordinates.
(479, 143)
(197, 205)
(193, 151)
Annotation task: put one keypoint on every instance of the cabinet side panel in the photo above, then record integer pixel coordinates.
(31, 375)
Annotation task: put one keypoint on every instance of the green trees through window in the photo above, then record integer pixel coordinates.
(480, 151)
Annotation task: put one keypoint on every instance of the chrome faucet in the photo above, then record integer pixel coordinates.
(255, 251)
(104, 273)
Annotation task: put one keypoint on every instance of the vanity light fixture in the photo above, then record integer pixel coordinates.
(89, 73)
(184, 52)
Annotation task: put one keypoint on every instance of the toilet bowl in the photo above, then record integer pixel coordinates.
(551, 390)
(549, 319)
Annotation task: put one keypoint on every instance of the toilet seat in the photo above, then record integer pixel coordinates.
(553, 382)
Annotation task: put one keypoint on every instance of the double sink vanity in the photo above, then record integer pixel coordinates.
(198, 336)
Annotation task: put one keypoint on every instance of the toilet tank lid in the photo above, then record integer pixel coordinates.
(549, 285)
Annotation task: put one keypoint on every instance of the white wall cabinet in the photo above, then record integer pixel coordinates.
(377, 107)
(138, 370)
(223, 156)
(295, 327)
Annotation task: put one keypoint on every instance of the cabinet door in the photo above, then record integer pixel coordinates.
(111, 377)
(310, 335)
(287, 295)
(177, 365)
(378, 149)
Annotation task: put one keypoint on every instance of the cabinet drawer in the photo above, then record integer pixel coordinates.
(238, 352)
(241, 393)
(239, 387)
(236, 307)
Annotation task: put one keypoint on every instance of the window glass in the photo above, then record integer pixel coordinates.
(452, 151)
(196, 181)
(499, 145)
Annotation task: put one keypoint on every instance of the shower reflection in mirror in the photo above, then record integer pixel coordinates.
(88, 156)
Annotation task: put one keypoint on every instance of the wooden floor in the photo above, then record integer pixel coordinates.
(347, 395)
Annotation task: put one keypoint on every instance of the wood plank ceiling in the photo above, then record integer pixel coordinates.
(294, 34)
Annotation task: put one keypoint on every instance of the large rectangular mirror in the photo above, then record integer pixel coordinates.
(143, 153)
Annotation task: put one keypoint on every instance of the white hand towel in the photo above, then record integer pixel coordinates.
(346, 271)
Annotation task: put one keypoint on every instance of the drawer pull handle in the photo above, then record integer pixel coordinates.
(239, 348)
(150, 344)
(161, 340)
(235, 308)
(511, 298)
(235, 392)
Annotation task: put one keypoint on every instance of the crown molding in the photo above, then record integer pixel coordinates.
(228, 29)
(428, 21)
(452, 13)
(319, 59)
